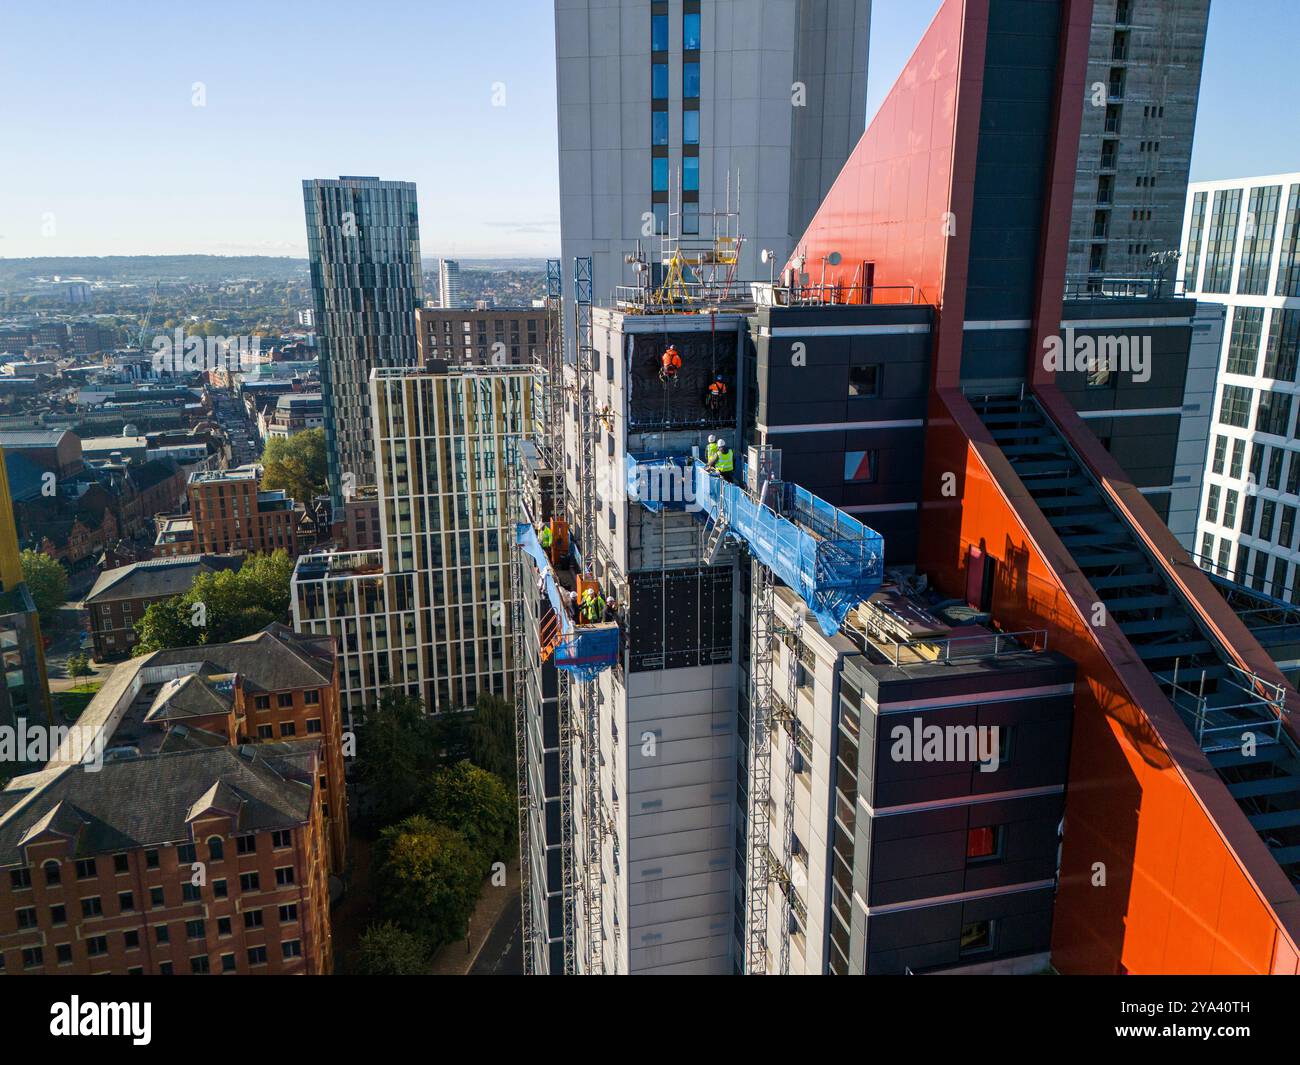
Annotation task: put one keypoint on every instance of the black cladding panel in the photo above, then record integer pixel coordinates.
(680, 618)
(683, 402)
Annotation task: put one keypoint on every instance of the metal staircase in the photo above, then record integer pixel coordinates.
(1235, 716)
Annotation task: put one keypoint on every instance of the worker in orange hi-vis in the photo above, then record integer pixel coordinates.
(717, 393)
(669, 364)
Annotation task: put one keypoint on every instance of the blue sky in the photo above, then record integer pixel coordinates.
(105, 152)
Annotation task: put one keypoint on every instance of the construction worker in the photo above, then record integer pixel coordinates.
(669, 364)
(711, 450)
(593, 607)
(717, 393)
(547, 538)
(611, 609)
(725, 462)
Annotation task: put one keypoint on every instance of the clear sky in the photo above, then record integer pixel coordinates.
(103, 151)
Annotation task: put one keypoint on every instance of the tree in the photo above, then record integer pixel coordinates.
(491, 737)
(426, 879)
(387, 950)
(476, 804)
(79, 666)
(397, 750)
(220, 607)
(46, 579)
(164, 624)
(297, 464)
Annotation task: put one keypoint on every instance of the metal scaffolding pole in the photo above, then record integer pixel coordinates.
(760, 755)
(589, 715)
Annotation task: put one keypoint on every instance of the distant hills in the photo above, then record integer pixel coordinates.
(200, 268)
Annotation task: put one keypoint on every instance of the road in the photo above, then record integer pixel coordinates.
(502, 954)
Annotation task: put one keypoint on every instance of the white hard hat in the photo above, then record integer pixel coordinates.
(722, 443)
(712, 438)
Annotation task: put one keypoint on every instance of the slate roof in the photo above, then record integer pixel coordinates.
(190, 696)
(157, 577)
(274, 659)
(145, 802)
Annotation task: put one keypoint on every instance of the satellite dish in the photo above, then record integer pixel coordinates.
(767, 255)
(833, 258)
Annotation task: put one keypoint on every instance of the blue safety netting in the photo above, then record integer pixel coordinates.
(583, 650)
(829, 558)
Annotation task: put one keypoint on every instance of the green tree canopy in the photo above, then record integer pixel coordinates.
(387, 950)
(397, 749)
(46, 579)
(426, 879)
(296, 463)
(491, 737)
(476, 804)
(220, 607)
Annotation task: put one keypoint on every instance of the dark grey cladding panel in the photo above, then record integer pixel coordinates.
(929, 937)
(960, 816)
(654, 404)
(1146, 447)
(972, 677)
(994, 353)
(1136, 307)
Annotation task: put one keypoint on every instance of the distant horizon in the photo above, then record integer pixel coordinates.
(109, 156)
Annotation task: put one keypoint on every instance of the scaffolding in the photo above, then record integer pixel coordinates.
(589, 715)
(790, 720)
(521, 741)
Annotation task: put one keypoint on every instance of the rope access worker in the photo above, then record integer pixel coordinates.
(717, 393)
(725, 461)
(669, 364)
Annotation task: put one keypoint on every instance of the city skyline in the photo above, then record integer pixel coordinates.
(178, 153)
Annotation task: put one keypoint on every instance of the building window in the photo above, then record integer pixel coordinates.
(691, 173)
(246, 844)
(861, 466)
(86, 869)
(1243, 343)
(690, 127)
(313, 725)
(1282, 351)
(200, 964)
(58, 915)
(216, 848)
(690, 217)
(227, 963)
(262, 702)
(1273, 416)
(659, 81)
(659, 127)
(1222, 240)
(121, 863)
(252, 918)
(186, 854)
(691, 32)
(257, 956)
(194, 929)
(864, 381)
(281, 838)
(289, 913)
(311, 698)
(1257, 242)
(1288, 269)
(162, 934)
(291, 948)
(92, 907)
(288, 728)
(53, 873)
(249, 882)
(659, 174)
(1234, 407)
(151, 859)
(1212, 503)
(658, 33)
(691, 81)
(219, 889)
(976, 938)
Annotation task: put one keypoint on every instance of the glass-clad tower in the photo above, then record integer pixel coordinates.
(363, 242)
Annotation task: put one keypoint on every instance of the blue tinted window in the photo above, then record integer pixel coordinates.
(691, 174)
(659, 127)
(691, 32)
(690, 127)
(661, 218)
(690, 79)
(659, 32)
(659, 81)
(659, 174)
(690, 218)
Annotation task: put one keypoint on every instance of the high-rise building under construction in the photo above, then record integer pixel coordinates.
(912, 676)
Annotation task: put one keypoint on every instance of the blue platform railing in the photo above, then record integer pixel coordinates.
(828, 557)
(583, 650)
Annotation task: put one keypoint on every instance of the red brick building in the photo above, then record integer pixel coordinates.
(204, 841)
(232, 513)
